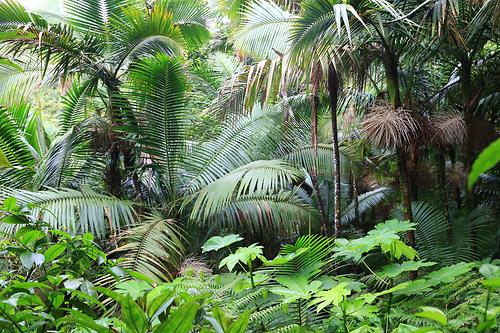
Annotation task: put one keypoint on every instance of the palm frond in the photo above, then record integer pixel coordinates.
(366, 202)
(191, 17)
(256, 178)
(93, 15)
(264, 31)
(387, 128)
(463, 238)
(155, 247)
(157, 91)
(284, 212)
(74, 104)
(135, 35)
(314, 252)
(70, 162)
(74, 211)
(233, 148)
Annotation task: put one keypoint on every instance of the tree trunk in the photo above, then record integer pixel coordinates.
(458, 198)
(441, 181)
(314, 143)
(113, 175)
(355, 198)
(392, 80)
(333, 89)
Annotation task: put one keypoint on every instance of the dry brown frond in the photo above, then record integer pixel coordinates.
(193, 266)
(385, 127)
(448, 130)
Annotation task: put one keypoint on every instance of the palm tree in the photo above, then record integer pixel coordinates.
(95, 46)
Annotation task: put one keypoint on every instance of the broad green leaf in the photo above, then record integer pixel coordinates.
(28, 259)
(84, 321)
(393, 270)
(54, 251)
(488, 158)
(133, 316)
(433, 314)
(73, 283)
(159, 304)
(28, 236)
(218, 242)
(134, 289)
(295, 287)
(492, 283)
(10, 205)
(181, 320)
(243, 255)
(450, 273)
(331, 297)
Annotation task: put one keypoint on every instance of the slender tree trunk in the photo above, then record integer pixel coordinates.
(441, 181)
(392, 79)
(458, 198)
(333, 89)
(355, 198)
(113, 174)
(468, 108)
(314, 143)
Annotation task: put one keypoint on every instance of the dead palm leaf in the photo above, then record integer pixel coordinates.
(388, 128)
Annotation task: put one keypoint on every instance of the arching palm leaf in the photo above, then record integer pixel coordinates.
(74, 211)
(265, 30)
(157, 91)
(154, 248)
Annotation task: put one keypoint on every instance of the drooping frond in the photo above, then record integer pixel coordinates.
(17, 157)
(265, 30)
(136, 35)
(74, 211)
(157, 92)
(70, 162)
(449, 130)
(93, 15)
(463, 238)
(155, 247)
(387, 128)
(191, 18)
(233, 148)
(313, 253)
(283, 212)
(256, 178)
(74, 104)
(366, 201)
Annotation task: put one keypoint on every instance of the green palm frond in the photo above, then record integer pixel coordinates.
(15, 151)
(93, 15)
(256, 178)
(135, 35)
(366, 202)
(18, 82)
(470, 235)
(74, 211)
(285, 212)
(70, 161)
(156, 247)
(264, 31)
(314, 252)
(75, 104)
(233, 148)
(191, 18)
(54, 45)
(157, 91)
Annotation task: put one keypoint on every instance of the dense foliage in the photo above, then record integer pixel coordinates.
(249, 166)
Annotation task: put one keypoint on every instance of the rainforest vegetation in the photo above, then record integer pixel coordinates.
(231, 166)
